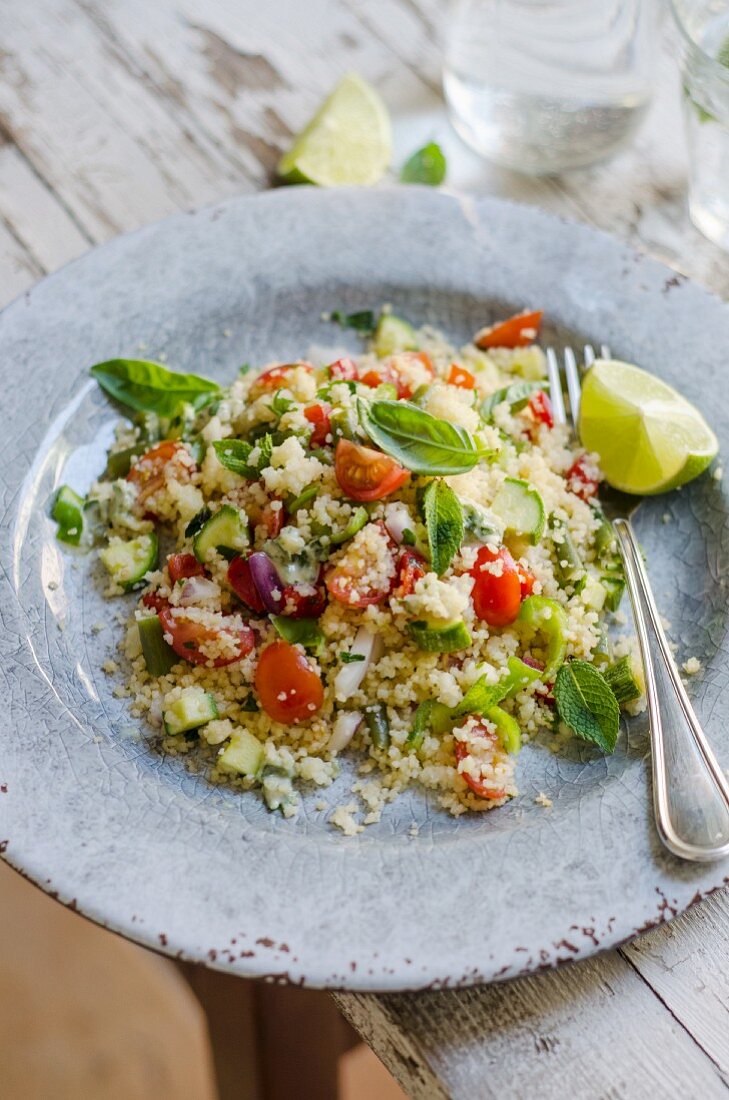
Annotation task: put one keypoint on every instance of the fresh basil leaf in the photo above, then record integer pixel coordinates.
(306, 632)
(234, 455)
(516, 395)
(586, 703)
(443, 522)
(150, 387)
(364, 321)
(281, 404)
(426, 165)
(351, 658)
(419, 441)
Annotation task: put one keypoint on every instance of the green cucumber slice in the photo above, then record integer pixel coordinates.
(226, 530)
(191, 710)
(243, 755)
(440, 639)
(393, 334)
(521, 508)
(625, 677)
(359, 519)
(129, 562)
(67, 511)
(158, 655)
(614, 586)
(507, 728)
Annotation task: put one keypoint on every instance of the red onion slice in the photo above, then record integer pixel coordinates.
(196, 590)
(398, 520)
(267, 581)
(345, 727)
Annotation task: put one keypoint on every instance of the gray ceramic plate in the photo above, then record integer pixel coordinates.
(136, 842)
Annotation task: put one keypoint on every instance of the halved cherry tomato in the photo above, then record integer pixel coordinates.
(318, 415)
(344, 370)
(182, 566)
(364, 474)
(581, 480)
(459, 376)
(496, 596)
(288, 687)
(514, 332)
(304, 605)
(273, 518)
(392, 370)
(479, 786)
(154, 467)
(541, 408)
(154, 601)
(344, 582)
(410, 568)
(275, 378)
(189, 636)
(240, 580)
(526, 580)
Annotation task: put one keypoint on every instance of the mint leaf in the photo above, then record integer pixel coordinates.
(516, 395)
(150, 387)
(586, 703)
(419, 441)
(426, 165)
(234, 455)
(363, 322)
(306, 632)
(443, 522)
(281, 404)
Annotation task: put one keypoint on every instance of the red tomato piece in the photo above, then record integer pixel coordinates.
(581, 479)
(182, 566)
(364, 474)
(479, 786)
(318, 415)
(273, 519)
(496, 595)
(154, 601)
(410, 568)
(300, 604)
(189, 636)
(276, 378)
(393, 371)
(289, 689)
(168, 459)
(459, 376)
(514, 332)
(541, 408)
(344, 370)
(344, 581)
(240, 580)
(526, 580)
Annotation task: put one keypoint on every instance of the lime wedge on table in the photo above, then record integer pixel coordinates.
(348, 141)
(648, 437)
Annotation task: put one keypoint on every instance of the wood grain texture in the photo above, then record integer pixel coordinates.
(113, 114)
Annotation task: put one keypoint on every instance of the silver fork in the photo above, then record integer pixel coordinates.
(690, 790)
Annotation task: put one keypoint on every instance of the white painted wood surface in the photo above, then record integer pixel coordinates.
(116, 112)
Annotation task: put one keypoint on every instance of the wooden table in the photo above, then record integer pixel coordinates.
(115, 113)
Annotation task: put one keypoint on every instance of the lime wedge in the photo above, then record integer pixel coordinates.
(348, 141)
(648, 437)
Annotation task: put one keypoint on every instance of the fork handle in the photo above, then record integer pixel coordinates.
(690, 790)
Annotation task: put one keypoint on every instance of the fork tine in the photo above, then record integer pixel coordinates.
(589, 355)
(604, 351)
(555, 388)
(573, 385)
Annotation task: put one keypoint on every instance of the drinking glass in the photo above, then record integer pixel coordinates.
(704, 36)
(545, 85)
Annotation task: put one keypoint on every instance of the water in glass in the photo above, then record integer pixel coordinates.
(545, 85)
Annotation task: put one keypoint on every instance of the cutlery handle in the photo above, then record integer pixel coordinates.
(690, 790)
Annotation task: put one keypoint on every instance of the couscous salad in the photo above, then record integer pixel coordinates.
(396, 554)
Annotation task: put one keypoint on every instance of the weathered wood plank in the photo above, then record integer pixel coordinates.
(590, 1030)
(18, 269)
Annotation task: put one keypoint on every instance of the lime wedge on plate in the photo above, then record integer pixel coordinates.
(348, 141)
(648, 437)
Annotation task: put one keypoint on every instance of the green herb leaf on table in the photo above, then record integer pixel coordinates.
(281, 404)
(516, 396)
(150, 387)
(586, 703)
(443, 517)
(364, 321)
(419, 441)
(306, 632)
(426, 165)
